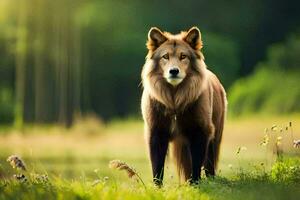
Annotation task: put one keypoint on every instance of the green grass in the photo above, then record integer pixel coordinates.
(255, 185)
(76, 161)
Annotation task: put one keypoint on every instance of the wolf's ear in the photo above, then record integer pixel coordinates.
(155, 38)
(193, 38)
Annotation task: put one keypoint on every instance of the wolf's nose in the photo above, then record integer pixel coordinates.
(174, 71)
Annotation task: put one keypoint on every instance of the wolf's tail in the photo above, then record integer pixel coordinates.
(182, 157)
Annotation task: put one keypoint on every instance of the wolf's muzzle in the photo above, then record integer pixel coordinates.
(174, 72)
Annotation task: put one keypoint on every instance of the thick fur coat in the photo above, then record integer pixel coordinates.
(183, 104)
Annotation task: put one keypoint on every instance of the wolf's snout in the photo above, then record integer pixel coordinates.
(174, 72)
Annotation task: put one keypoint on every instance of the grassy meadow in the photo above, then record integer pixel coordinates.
(75, 162)
(61, 59)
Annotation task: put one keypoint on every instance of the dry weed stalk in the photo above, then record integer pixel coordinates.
(131, 172)
(16, 162)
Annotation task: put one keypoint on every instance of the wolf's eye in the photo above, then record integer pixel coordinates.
(166, 56)
(182, 56)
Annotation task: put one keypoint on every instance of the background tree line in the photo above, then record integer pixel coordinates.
(68, 57)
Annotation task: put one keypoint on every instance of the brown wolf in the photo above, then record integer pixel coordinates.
(183, 103)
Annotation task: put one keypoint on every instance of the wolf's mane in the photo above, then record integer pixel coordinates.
(175, 98)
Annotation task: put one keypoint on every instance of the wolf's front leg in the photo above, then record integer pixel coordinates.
(198, 146)
(158, 144)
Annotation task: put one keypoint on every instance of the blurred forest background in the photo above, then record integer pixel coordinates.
(66, 58)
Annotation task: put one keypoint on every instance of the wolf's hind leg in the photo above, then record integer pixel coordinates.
(210, 163)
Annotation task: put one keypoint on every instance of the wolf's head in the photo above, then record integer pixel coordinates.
(174, 72)
(174, 54)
